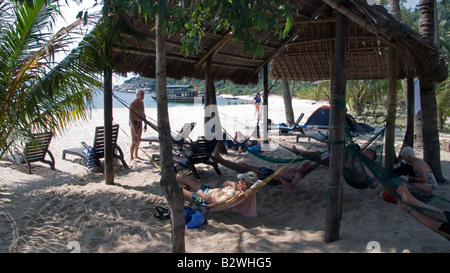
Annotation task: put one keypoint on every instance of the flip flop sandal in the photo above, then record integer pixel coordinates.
(162, 213)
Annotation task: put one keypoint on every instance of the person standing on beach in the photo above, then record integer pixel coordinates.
(257, 102)
(137, 116)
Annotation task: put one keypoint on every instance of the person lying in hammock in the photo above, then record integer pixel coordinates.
(239, 137)
(361, 176)
(289, 177)
(320, 157)
(202, 195)
(430, 216)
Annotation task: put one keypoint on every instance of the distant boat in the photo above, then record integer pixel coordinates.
(180, 93)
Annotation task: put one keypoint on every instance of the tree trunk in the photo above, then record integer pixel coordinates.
(408, 87)
(431, 148)
(408, 91)
(392, 110)
(431, 151)
(337, 132)
(287, 98)
(212, 128)
(418, 135)
(220, 147)
(171, 189)
(107, 112)
(395, 9)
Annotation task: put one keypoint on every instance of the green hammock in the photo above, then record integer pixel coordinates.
(353, 169)
(387, 179)
(275, 159)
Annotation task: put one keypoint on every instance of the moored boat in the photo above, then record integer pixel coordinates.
(180, 93)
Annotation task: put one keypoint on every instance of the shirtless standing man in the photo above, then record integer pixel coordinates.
(137, 113)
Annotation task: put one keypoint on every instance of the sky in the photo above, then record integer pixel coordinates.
(70, 12)
(411, 3)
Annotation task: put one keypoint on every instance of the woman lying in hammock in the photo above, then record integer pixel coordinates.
(202, 195)
(289, 177)
(430, 216)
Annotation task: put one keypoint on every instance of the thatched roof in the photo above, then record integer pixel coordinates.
(305, 55)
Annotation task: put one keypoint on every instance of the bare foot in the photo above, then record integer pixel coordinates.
(404, 193)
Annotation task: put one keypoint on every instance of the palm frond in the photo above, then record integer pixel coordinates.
(36, 93)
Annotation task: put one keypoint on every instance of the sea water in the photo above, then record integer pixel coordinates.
(126, 98)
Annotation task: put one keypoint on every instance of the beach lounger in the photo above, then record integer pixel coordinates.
(97, 151)
(283, 129)
(182, 134)
(34, 151)
(321, 137)
(199, 152)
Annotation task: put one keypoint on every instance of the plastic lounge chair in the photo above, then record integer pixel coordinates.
(182, 134)
(199, 152)
(34, 151)
(98, 148)
(321, 137)
(283, 130)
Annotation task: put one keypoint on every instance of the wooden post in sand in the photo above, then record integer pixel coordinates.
(169, 185)
(337, 129)
(107, 110)
(389, 145)
(265, 102)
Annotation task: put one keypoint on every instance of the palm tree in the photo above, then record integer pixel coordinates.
(443, 102)
(358, 94)
(408, 86)
(287, 99)
(431, 151)
(36, 93)
(443, 89)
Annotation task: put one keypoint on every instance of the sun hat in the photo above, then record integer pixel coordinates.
(248, 177)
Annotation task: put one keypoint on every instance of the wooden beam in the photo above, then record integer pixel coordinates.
(337, 130)
(347, 12)
(194, 60)
(364, 24)
(214, 49)
(314, 21)
(288, 40)
(321, 39)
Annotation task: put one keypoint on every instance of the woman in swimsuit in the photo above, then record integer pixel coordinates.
(257, 103)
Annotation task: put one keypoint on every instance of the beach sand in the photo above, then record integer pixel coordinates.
(71, 208)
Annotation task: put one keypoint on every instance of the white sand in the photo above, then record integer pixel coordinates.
(49, 210)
